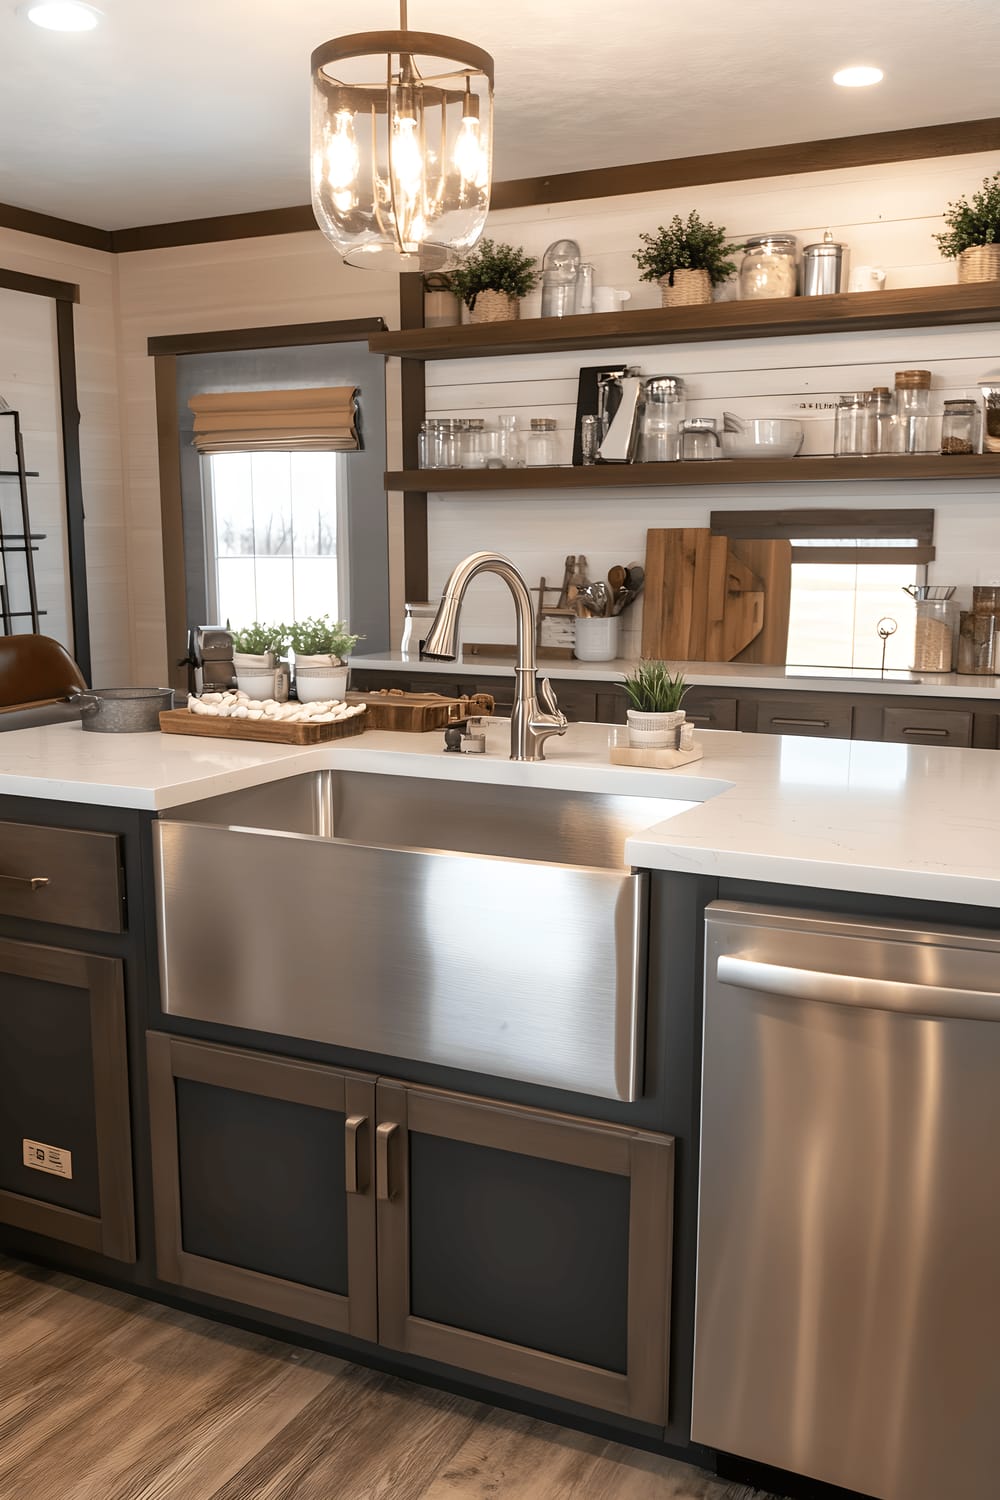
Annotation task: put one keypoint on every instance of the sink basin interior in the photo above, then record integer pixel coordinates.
(409, 812)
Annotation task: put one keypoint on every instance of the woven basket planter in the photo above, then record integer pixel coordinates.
(979, 263)
(495, 307)
(689, 289)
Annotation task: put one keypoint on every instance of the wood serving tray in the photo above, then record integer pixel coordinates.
(416, 713)
(183, 721)
(654, 760)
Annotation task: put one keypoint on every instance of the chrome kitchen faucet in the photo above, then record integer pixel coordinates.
(531, 721)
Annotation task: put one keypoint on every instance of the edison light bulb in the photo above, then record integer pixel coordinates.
(469, 156)
(407, 162)
(342, 161)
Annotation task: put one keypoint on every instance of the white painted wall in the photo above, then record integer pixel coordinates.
(28, 379)
(887, 214)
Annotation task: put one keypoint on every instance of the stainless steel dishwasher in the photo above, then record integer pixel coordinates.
(848, 1302)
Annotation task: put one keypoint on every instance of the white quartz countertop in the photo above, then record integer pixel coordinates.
(708, 674)
(916, 821)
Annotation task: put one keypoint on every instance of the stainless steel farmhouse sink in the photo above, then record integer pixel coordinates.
(489, 928)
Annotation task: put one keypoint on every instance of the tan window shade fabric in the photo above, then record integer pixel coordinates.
(322, 419)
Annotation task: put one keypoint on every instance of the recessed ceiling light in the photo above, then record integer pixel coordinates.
(63, 15)
(858, 78)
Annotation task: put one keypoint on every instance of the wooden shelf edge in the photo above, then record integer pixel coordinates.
(846, 312)
(721, 471)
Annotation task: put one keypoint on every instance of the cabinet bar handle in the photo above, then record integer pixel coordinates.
(356, 1170)
(805, 723)
(33, 882)
(701, 718)
(383, 1135)
(942, 734)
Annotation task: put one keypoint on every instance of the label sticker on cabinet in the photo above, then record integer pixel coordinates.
(48, 1158)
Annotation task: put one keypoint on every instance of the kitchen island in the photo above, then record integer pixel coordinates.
(404, 1210)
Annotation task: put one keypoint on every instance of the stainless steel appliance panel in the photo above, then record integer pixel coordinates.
(503, 966)
(848, 1321)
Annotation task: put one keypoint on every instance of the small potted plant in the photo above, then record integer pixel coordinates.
(973, 234)
(442, 308)
(492, 281)
(320, 646)
(256, 649)
(688, 258)
(655, 715)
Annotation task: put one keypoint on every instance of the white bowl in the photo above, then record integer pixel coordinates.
(764, 437)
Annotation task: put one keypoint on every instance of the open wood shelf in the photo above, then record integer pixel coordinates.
(715, 471)
(846, 312)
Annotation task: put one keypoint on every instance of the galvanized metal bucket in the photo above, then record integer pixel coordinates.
(123, 710)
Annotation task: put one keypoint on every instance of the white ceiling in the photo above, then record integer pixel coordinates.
(176, 109)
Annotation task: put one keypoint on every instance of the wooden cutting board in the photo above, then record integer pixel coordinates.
(702, 601)
(183, 721)
(772, 563)
(416, 713)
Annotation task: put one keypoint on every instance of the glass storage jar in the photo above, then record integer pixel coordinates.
(913, 405)
(700, 439)
(540, 448)
(509, 448)
(960, 427)
(768, 267)
(936, 635)
(448, 444)
(478, 443)
(852, 425)
(881, 413)
(662, 414)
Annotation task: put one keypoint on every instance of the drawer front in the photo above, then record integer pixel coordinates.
(927, 726)
(61, 875)
(578, 703)
(706, 711)
(821, 717)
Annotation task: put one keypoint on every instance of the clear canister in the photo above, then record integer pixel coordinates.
(540, 448)
(768, 268)
(979, 644)
(662, 414)
(700, 438)
(852, 425)
(960, 427)
(936, 635)
(445, 444)
(881, 426)
(478, 444)
(913, 405)
(509, 448)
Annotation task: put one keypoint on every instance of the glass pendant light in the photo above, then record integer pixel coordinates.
(402, 147)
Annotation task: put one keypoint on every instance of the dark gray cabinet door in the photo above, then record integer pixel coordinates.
(65, 1130)
(529, 1247)
(262, 1181)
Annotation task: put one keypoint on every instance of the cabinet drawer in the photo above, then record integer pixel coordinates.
(706, 711)
(824, 717)
(578, 703)
(61, 875)
(927, 726)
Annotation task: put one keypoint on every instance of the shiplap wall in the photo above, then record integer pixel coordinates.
(294, 278)
(887, 214)
(28, 378)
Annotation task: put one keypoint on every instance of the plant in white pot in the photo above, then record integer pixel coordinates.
(655, 715)
(973, 234)
(320, 647)
(688, 258)
(256, 649)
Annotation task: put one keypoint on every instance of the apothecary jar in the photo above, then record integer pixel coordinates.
(768, 268)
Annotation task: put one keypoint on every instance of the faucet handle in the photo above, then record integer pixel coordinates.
(550, 703)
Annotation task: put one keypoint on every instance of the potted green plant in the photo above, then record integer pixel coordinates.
(655, 715)
(442, 308)
(688, 258)
(492, 281)
(320, 646)
(973, 233)
(256, 649)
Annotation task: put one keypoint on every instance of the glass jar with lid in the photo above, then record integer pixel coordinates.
(913, 406)
(881, 425)
(509, 449)
(960, 426)
(540, 448)
(700, 438)
(852, 425)
(478, 443)
(448, 443)
(662, 414)
(768, 268)
(936, 635)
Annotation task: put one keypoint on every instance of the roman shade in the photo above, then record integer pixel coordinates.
(321, 419)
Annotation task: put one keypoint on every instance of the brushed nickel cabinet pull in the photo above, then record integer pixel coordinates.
(33, 882)
(383, 1135)
(805, 723)
(356, 1169)
(701, 718)
(942, 734)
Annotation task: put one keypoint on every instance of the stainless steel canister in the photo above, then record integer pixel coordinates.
(824, 267)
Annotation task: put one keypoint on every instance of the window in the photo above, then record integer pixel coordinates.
(849, 570)
(274, 543)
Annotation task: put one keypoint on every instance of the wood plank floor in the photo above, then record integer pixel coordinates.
(106, 1397)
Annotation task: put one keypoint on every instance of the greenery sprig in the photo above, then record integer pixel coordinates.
(651, 688)
(690, 245)
(972, 221)
(258, 639)
(322, 636)
(494, 268)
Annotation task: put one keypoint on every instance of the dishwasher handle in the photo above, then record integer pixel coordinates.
(937, 1002)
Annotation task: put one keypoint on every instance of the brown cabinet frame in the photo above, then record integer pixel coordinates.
(101, 984)
(275, 1078)
(647, 1160)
